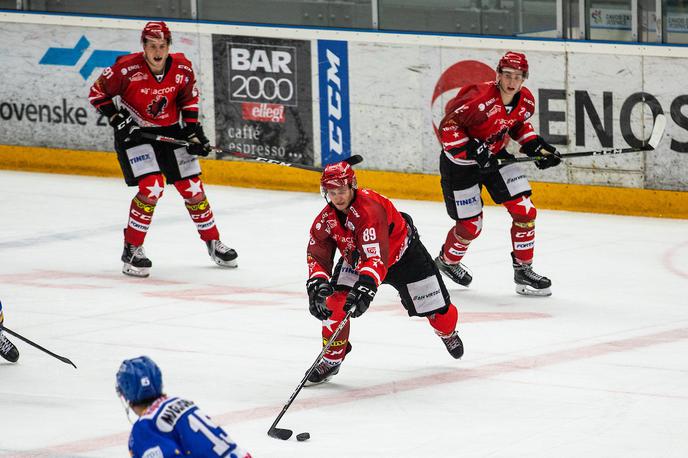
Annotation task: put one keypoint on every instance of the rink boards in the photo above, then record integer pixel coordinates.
(326, 94)
(560, 196)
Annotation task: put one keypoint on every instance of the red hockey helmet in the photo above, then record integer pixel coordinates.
(156, 29)
(515, 60)
(337, 175)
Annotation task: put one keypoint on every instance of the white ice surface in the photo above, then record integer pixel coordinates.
(598, 369)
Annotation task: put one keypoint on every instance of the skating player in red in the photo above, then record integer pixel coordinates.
(479, 122)
(378, 244)
(158, 94)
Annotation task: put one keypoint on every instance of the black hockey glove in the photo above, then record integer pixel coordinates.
(318, 291)
(126, 129)
(539, 147)
(480, 153)
(200, 145)
(360, 296)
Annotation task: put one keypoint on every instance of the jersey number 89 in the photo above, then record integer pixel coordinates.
(369, 234)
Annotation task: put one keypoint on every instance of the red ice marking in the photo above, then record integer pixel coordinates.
(208, 293)
(469, 317)
(38, 278)
(391, 388)
(235, 295)
(476, 317)
(670, 256)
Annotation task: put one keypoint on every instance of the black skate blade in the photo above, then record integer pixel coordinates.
(280, 433)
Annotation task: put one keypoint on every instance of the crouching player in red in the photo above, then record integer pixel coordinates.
(378, 244)
(168, 426)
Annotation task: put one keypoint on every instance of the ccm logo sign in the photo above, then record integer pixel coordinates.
(262, 74)
(333, 75)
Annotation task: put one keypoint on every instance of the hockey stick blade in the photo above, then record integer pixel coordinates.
(280, 433)
(657, 131)
(355, 159)
(54, 355)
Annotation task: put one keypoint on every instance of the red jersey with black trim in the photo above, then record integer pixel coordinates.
(152, 103)
(373, 227)
(477, 112)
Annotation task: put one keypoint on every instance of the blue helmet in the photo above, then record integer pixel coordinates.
(139, 379)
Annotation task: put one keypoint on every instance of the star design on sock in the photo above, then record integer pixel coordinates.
(194, 187)
(328, 324)
(478, 223)
(526, 203)
(155, 190)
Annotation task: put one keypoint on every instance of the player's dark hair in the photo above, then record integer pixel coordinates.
(145, 403)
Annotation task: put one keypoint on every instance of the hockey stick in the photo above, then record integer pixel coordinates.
(282, 433)
(353, 160)
(18, 336)
(655, 137)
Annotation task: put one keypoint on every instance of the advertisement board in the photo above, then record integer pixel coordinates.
(47, 72)
(379, 95)
(585, 101)
(263, 100)
(333, 77)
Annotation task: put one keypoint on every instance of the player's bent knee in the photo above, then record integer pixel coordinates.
(191, 189)
(445, 321)
(151, 188)
(469, 229)
(521, 209)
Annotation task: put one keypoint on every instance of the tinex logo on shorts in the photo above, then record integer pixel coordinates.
(70, 57)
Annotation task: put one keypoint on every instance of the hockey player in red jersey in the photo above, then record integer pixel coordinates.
(479, 122)
(378, 244)
(158, 94)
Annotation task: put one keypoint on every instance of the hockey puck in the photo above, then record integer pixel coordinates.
(303, 437)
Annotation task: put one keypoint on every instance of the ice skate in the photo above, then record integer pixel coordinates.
(453, 343)
(136, 264)
(326, 369)
(528, 283)
(221, 253)
(457, 272)
(323, 372)
(7, 349)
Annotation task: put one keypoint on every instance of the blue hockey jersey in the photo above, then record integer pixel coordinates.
(175, 427)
